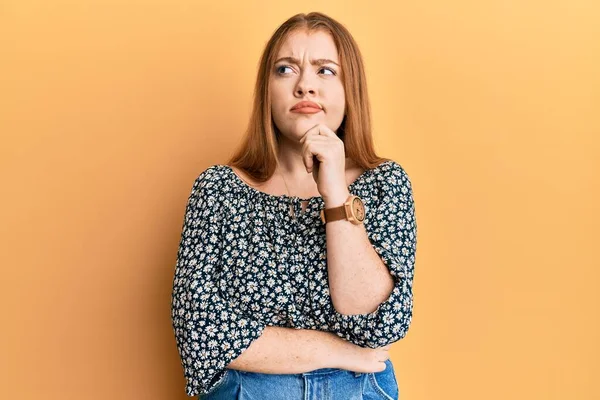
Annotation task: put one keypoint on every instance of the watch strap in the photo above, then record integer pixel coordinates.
(334, 214)
(341, 212)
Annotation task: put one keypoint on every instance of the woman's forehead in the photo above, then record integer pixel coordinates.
(316, 44)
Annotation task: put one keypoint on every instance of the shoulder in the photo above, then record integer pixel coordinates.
(392, 175)
(209, 182)
(393, 185)
(211, 173)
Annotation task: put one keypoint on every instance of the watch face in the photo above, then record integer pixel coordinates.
(358, 209)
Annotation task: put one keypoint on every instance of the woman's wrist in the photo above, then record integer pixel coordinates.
(333, 352)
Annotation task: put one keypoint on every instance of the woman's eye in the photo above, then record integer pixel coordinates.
(329, 69)
(279, 68)
(283, 67)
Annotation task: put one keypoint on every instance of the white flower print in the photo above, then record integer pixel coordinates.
(244, 264)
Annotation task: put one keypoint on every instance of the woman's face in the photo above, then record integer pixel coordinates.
(292, 81)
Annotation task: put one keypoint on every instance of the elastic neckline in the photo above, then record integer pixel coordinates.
(266, 195)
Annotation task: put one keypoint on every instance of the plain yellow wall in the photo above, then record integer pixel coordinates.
(110, 109)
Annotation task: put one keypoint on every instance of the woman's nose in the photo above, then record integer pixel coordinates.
(300, 91)
(306, 84)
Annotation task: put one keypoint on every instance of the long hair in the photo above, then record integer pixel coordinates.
(257, 153)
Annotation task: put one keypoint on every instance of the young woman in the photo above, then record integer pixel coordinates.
(295, 267)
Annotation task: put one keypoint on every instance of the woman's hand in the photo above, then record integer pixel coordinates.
(324, 155)
(365, 359)
(355, 358)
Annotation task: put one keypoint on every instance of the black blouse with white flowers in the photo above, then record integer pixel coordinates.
(244, 263)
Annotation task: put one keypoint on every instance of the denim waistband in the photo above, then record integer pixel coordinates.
(323, 371)
(320, 371)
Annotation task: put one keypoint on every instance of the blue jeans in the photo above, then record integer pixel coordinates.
(320, 384)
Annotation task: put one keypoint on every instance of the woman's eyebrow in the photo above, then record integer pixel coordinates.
(319, 61)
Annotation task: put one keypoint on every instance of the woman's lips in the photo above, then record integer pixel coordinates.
(306, 110)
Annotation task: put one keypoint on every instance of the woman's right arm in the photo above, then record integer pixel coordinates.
(282, 350)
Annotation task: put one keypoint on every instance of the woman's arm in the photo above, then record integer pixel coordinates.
(282, 350)
(359, 280)
(371, 265)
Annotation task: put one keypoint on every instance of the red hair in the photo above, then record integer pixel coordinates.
(257, 153)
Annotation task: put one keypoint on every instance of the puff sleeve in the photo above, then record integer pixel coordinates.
(392, 230)
(209, 332)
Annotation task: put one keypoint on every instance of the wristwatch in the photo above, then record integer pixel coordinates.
(352, 210)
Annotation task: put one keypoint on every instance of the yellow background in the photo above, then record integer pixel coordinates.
(110, 109)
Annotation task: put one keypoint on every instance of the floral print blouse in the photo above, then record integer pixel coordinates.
(244, 264)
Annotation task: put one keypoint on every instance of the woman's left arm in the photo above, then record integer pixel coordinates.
(371, 265)
(358, 278)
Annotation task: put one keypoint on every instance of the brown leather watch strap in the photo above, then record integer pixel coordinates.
(345, 211)
(335, 214)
